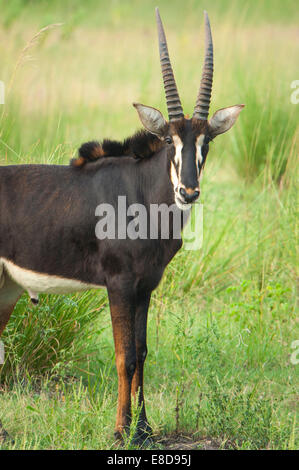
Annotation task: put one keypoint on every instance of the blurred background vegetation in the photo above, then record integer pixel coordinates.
(223, 320)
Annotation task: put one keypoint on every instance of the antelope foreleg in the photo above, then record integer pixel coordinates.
(142, 306)
(122, 307)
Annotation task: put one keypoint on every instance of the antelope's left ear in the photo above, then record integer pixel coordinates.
(224, 119)
(152, 119)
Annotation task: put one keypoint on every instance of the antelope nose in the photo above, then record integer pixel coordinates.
(189, 195)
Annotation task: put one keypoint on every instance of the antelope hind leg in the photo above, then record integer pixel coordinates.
(9, 295)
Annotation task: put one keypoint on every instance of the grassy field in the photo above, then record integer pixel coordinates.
(221, 365)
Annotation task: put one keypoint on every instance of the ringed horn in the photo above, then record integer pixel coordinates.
(174, 107)
(201, 110)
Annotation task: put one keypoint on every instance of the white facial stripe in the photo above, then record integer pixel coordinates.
(174, 176)
(178, 150)
(200, 139)
(175, 182)
(199, 144)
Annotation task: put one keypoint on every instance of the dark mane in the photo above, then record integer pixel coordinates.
(142, 144)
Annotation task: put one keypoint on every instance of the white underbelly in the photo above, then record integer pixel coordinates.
(37, 283)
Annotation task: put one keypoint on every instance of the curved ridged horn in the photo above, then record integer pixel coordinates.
(174, 107)
(201, 110)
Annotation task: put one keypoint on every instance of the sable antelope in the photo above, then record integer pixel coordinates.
(47, 231)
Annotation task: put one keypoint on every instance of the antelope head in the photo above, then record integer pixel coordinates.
(189, 138)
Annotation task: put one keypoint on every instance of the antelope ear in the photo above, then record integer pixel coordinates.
(224, 119)
(151, 119)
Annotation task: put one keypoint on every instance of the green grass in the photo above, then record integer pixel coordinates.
(58, 336)
(223, 320)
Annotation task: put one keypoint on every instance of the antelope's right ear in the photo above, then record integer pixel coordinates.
(152, 119)
(224, 119)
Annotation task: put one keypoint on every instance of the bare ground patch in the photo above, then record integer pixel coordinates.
(185, 442)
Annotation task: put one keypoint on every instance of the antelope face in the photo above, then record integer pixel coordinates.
(188, 144)
(190, 148)
(189, 138)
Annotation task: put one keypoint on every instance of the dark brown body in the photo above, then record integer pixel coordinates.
(47, 216)
(47, 225)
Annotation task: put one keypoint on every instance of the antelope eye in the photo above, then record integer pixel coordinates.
(168, 139)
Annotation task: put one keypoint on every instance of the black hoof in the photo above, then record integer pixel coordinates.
(143, 436)
(118, 437)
